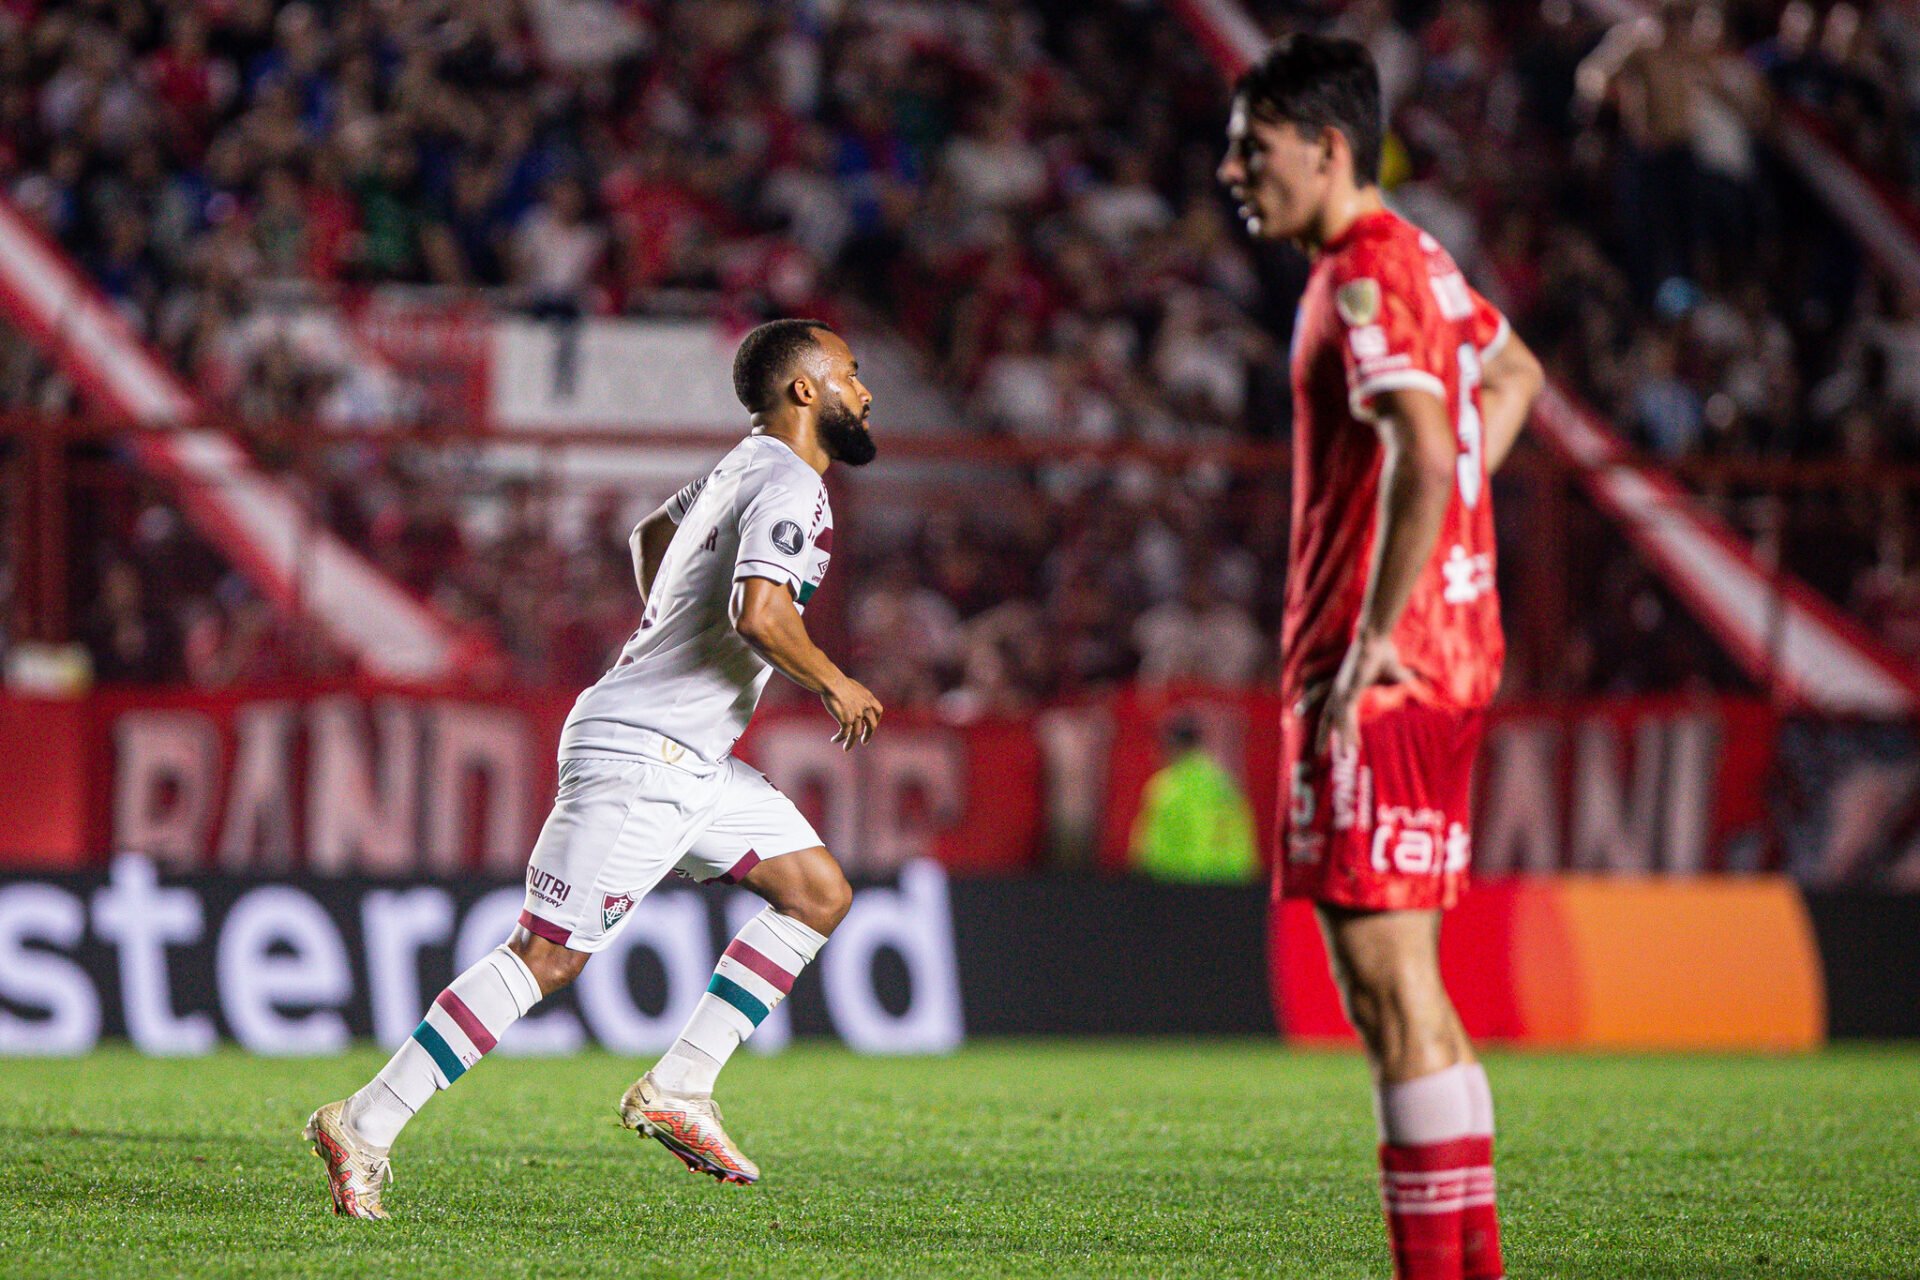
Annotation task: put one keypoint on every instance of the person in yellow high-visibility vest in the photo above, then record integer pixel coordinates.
(1195, 825)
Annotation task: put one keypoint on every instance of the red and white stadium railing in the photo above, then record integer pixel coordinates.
(249, 515)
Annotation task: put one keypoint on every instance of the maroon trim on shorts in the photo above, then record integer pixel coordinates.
(748, 861)
(539, 928)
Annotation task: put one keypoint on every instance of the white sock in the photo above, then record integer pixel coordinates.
(1428, 1109)
(754, 975)
(1479, 1102)
(463, 1023)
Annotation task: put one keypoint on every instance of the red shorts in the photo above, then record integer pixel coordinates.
(1384, 827)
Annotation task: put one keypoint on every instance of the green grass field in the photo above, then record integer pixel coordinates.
(1025, 1159)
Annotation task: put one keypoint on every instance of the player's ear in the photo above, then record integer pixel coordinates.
(802, 390)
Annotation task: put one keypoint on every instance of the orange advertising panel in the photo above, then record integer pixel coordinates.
(1610, 963)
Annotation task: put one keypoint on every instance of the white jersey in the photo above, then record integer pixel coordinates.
(686, 674)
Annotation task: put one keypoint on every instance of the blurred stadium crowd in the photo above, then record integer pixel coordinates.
(1022, 190)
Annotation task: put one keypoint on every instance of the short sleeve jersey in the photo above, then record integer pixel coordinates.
(685, 673)
(1386, 308)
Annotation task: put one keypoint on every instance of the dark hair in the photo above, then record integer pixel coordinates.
(1319, 82)
(760, 365)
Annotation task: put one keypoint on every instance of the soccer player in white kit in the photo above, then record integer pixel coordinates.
(649, 784)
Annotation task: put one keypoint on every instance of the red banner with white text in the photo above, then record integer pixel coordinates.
(355, 779)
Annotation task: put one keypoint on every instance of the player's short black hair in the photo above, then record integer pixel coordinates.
(761, 365)
(1318, 82)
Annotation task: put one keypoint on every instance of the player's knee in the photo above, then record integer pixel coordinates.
(812, 889)
(823, 897)
(1415, 1028)
(1363, 1011)
(1391, 1005)
(833, 899)
(553, 967)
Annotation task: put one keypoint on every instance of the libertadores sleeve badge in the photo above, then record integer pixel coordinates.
(1358, 301)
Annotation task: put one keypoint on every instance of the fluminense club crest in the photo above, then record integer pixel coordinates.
(613, 909)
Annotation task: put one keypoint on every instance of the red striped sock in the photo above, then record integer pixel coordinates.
(1479, 1217)
(1424, 1188)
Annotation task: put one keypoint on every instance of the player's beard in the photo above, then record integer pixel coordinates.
(846, 440)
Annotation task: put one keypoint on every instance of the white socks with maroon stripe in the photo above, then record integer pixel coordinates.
(754, 975)
(470, 1016)
(464, 1022)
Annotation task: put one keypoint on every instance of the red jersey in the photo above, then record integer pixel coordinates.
(1386, 308)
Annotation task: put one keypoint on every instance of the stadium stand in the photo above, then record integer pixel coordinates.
(1025, 193)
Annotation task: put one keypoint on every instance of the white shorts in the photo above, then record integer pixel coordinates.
(619, 826)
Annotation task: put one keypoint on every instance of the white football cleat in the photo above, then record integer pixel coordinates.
(355, 1175)
(688, 1125)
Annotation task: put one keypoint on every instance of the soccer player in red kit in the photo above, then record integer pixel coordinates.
(1409, 390)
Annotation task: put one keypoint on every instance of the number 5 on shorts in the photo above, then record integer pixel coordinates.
(1300, 811)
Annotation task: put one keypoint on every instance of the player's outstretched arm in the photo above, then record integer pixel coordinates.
(763, 614)
(1416, 485)
(648, 542)
(1509, 383)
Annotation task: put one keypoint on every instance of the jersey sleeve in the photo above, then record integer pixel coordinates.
(1487, 326)
(773, 536)
(682, 502)
(1392, 332)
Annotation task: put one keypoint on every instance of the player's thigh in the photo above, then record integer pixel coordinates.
(752, 823)
(1387, 966)
(1381, 952)
(1381, 824)
(615, 829)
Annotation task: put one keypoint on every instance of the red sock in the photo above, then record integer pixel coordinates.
(1423, 1188)
(1479, 1218)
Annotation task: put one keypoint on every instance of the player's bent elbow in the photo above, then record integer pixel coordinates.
(1427, 469)
(1532, 374)
(754, 624)
(1516, 371)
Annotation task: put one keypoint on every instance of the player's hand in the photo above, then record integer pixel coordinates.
(855, 710)
(1369, 662)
